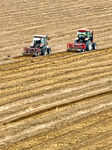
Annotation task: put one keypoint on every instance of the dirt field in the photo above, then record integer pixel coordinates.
(63, 100)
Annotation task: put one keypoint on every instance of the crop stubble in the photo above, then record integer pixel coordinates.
(60, 101)
(21, 20)
(56, 94)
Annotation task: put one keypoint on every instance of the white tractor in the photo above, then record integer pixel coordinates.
(38, 47)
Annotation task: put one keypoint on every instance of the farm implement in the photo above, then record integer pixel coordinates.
(83, 42)
(38, 47)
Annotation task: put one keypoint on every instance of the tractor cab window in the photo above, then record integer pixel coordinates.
(37, 41)
(42, 40)
(81, 34)
(88, 34)
(45, 40)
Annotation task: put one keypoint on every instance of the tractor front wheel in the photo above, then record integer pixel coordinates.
(94, 45)
(75, 41)
(82, 50)
(43, 51)
(88, 46)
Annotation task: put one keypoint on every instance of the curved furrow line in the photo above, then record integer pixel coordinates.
(58, 13)
(89, 134)
(29, 61)
(63, 112)
(34, 27)
(35, 68)
(98, 142)
(96, 27)
(58, 104)
(38, 81)
(55, 19)
(49, 98)
(109, 146)
(61, 132)
(46, 127)
(51, 83)
(48, 88)
(37, 102)
(54, 11)
(95, 142)
(31, 75)
(42, 62)
(22, 61)
(56, 96)
(75, 125)
(64, 6)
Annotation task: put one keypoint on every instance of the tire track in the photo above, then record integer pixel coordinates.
(53, 106)
(33, 130)
(48, 88)
(69, 106)
(78, 125)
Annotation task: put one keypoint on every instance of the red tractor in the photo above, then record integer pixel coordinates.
(39, 46)
(83, 42)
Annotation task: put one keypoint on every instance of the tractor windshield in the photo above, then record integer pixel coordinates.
(81, 34)
(39, 40)
(36, 40)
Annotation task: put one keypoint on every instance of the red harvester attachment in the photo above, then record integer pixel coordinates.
(32, 51)
(75, 46)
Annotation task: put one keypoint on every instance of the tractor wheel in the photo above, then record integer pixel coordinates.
(35, 55)
(49, 50)
(94, 45)
(88, 46)
(75, 41)
(43, 51)
(82, 50)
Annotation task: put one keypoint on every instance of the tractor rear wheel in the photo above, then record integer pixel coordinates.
(94, 45)
(43, 51)
(88, 46)
(49, 50)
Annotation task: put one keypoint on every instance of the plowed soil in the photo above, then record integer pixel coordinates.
(59, 101)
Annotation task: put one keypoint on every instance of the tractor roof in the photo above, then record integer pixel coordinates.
(83, 30)
(40, 36)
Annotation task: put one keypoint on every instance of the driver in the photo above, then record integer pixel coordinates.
(82, 35)
(37, 43)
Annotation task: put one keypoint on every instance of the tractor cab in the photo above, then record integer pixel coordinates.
(83, 34)
(39, 40)
(39, 46)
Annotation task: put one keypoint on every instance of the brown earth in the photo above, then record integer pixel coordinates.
(60, 19)
(63, 100)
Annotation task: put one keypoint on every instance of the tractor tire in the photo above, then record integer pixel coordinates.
(35, 55)
(75, 41)
(43, 51)
(49, 50)
(94, 45)
(82, 50)
(88, 46)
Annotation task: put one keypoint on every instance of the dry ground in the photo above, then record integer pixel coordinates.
(60, 19)
(60, 101)
(63, 100)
